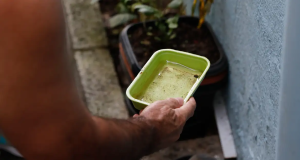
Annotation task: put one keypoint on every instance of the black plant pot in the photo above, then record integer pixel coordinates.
(198, 157)
(215, 78)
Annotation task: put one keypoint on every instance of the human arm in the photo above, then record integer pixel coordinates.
(41, 112)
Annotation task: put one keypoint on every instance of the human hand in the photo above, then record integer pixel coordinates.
(168, 117)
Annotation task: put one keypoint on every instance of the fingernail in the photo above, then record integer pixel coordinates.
(192, 98)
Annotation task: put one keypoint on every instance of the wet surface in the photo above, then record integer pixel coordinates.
(173, 81)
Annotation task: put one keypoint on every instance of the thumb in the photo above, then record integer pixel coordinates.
(188, 109)
(141, 111)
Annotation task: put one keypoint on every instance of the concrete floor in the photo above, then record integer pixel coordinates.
(97, 78)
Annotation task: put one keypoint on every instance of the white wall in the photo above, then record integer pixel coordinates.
(251, 35)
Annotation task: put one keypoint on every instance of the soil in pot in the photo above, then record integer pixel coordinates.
(108, 7)
(188, 38)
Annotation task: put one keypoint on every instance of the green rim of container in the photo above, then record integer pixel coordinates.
(138, 104)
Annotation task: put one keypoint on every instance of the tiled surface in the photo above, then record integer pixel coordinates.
(85, 24)
(98, 78)
(100, 83)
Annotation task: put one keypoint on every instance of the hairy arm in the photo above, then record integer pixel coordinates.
(41, 112)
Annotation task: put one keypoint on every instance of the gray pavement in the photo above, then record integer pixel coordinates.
(99, 82)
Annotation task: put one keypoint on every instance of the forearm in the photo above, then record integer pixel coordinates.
(86, 137)
(98, 138)
(40, 111)
(125, 139)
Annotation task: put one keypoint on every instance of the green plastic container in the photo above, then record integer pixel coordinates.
(152, 68)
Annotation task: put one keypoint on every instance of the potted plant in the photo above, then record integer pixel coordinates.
(116, 14)
(138, 41)
(156, 27)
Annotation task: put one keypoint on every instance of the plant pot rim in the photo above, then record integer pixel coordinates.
(220, 65)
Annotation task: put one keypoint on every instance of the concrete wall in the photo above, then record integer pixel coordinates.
(251, 35)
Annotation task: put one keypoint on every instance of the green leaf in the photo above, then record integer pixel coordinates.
(126, 1)
(162, 27)
(157, 38)
(149, 34)
(94, 1)
(173, 19)
(145, 9)
(158, 15)
(169, 20)
(133, 6)
(173, 25)
(122, 8)
(173, 22)
(175, 4)
(120, 19)
(173, 36)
